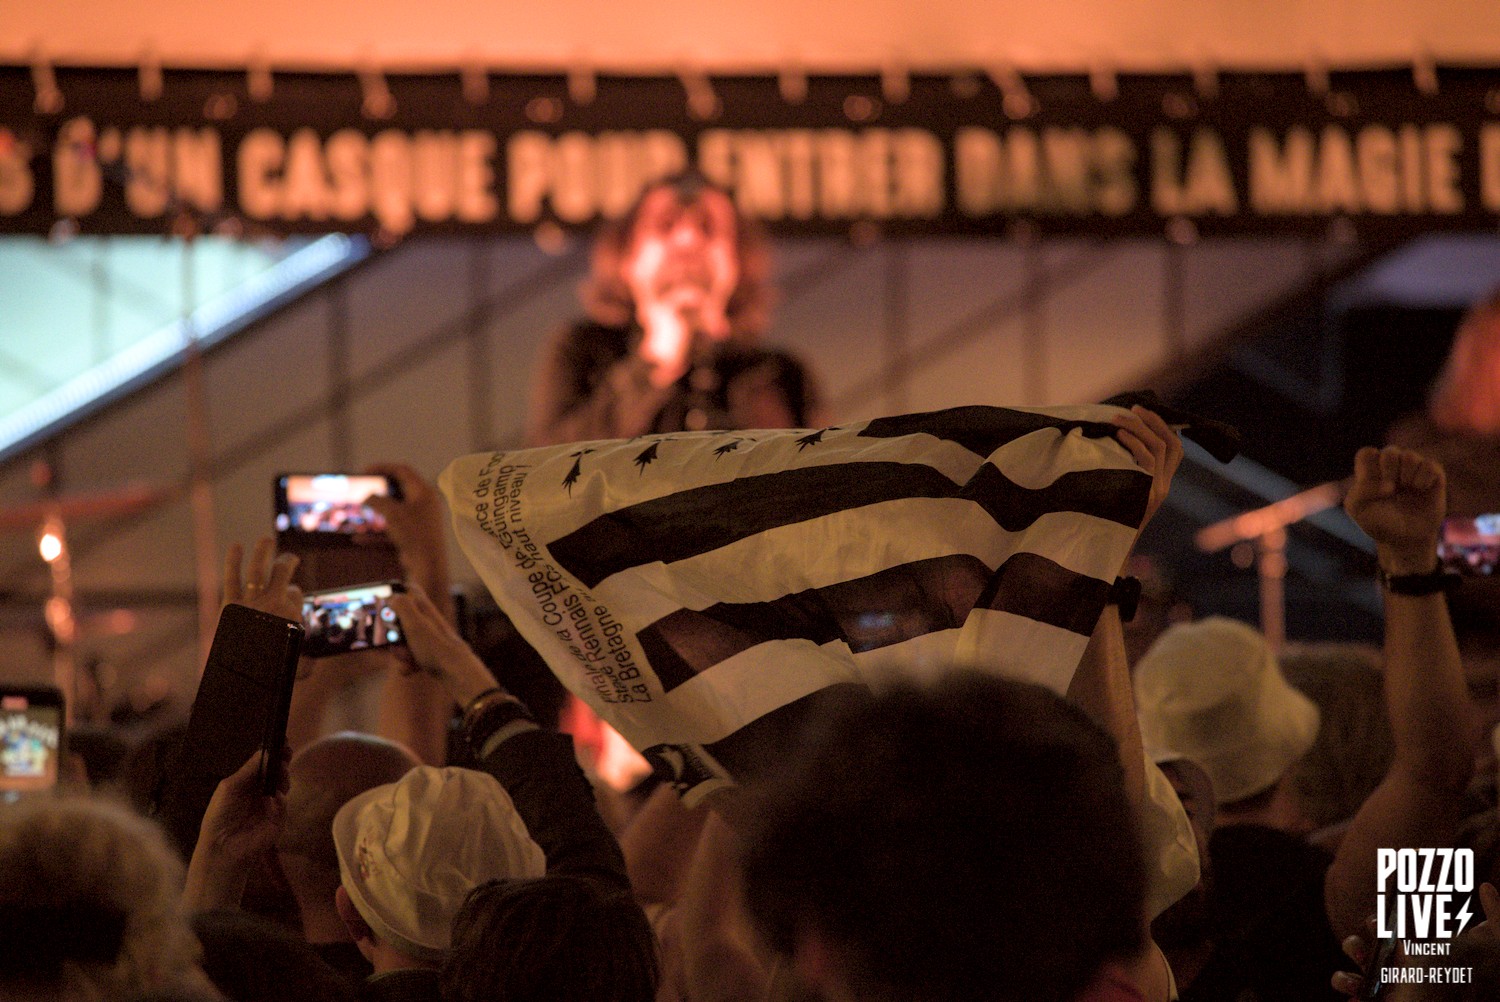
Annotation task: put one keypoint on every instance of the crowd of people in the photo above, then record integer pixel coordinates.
(1209, 821)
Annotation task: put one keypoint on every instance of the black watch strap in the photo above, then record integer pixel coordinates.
(1431, 583)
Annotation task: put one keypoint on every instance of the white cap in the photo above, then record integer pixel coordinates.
(1212, 691)
(410, 852)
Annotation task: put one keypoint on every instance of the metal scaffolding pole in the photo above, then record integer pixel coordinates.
(200, 460)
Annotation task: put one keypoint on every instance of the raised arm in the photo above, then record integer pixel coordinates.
(266, 585)
(536, 767)
(1102, 688)
(414, 709)
(718, 959)
(414, 523)
(1398, 498)
(659, 844)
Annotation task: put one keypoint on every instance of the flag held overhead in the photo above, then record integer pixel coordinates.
(702, 591)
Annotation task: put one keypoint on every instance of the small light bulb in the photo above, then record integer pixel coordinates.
(51, 546)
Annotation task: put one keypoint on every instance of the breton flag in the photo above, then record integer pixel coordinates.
(702, 591)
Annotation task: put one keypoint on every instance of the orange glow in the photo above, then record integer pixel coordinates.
(59, 613)
(119, 622)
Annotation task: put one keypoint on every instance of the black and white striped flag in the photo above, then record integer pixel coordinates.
(700, 590)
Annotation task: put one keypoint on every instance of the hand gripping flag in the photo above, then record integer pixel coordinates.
(703, 591)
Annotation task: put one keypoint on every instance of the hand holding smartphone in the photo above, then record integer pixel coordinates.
(326, 520)
(240, 710)
(331, 503)
(340, 620)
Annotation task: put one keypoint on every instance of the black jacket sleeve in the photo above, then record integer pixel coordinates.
(538, 770)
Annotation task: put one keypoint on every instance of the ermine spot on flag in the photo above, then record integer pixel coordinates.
(702, 591)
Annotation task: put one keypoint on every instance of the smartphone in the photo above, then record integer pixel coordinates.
(31, 740)
(241, 709)
(351, 619)
(325, 519)
(331, 502)
(1384, 955)
(1470, 546)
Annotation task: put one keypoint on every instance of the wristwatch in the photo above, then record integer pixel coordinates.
(1431, 583)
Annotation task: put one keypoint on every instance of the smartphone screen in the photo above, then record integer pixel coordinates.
(31, 740)
(332, 503)
(1471, 546)
(339, 540)
(350, 619)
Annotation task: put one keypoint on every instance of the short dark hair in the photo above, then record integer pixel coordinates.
(550, 939)
(972, 840)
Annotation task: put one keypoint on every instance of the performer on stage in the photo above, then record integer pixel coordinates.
(676, 301)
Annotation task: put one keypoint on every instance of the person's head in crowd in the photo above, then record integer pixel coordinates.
(90, 903)
(1213, 692)
(686, 244)
(1159, 607)
(102, 750)
(1354, 746)
(1466, 396)
(251, 959)
(409, 853)
(324, 776)
(971, 840)
(142, 776)
(556, 937)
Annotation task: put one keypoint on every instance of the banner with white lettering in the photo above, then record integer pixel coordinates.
(1385, 151)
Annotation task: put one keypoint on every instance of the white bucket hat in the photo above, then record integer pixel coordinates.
(1212, 691)
(410, 852)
